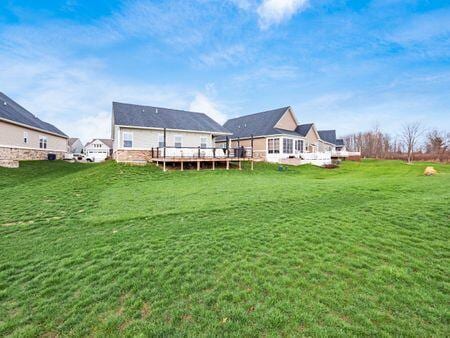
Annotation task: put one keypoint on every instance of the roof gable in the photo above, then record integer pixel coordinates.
(106, 141)
(156, 117)
(287, 121)
(303, 129)
(259, 124)
(12, 111)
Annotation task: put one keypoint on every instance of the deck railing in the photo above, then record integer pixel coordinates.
(345, 153)
(202, 152)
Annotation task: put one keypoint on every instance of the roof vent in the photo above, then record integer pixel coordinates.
(143, 110)
(5, 103)
(245, 125)
(156, 110)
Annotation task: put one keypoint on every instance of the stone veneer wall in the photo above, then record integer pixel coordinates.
(132, 155)
(9, 157)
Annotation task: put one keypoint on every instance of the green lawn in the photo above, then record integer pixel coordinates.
(108, 249)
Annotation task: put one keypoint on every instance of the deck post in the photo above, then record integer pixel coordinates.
(164, 165)
(240, 164)
(252, 146)
(228, 146)
(228, 164)
(198, 152)
(239, 147)
(165, 139)
(152, 153)
(252, 165)
(198, 165)
(214, 165)
(182, 165)
(214, 152)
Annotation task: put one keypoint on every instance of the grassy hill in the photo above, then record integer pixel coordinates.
(108, 249)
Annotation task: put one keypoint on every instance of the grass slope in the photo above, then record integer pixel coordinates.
(107, 249)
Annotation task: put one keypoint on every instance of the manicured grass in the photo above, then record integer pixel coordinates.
(108, 249)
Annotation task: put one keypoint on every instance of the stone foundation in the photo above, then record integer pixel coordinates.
(10, 157)
(137, 156)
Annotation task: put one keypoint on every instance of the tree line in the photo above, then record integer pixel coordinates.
(412, 143)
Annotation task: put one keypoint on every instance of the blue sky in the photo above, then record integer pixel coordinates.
(342, 64)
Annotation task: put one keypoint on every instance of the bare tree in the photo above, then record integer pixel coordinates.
(435, 142)
(410, 135)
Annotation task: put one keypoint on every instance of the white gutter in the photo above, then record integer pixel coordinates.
(177, 130)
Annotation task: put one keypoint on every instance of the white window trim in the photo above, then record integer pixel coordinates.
(175, 140)
(45, 141)
(129, 133)
(160, 140)
(205, 143)
(280, 142)
(25, 137)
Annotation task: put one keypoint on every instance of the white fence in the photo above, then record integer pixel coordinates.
(345, 153)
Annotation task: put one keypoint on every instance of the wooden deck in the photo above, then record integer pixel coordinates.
(198, 161)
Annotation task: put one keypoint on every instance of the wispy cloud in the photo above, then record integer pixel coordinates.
(201, 103)
(272, 12)
(229, 55)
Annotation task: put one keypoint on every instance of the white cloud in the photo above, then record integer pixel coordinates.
(272, 12)
(203, 104)
(230, 55)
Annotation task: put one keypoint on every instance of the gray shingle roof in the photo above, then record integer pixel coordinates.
(328, 136)
(340, 142)
(156, 117)
(11, 110)
(72, 140)
(303, 129)
(258, 124)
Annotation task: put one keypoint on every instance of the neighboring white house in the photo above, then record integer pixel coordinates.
(136, 130)
(98, 149)
(75, 146)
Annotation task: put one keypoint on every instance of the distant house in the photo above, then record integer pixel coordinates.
(328, 139)
(137, 130)
(23, 136)
(99, 149)
(75, 146)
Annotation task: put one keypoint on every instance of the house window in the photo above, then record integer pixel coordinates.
(25, 137)
(203, 142)
(299, 145)
(127, 140)
(43, 142)
(288, 146)
(161, 140)
(273, 145)
(178, 140)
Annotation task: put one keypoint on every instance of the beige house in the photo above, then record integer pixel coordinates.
(25, 137)
(276, 136)
(141, 133)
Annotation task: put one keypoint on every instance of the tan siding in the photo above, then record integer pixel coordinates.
(311, 138)
(148, 138)
(287, 121)
(11, 135)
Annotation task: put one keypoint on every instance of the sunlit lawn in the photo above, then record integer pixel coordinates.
(108, 249)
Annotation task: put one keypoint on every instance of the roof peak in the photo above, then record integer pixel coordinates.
(261, 112)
